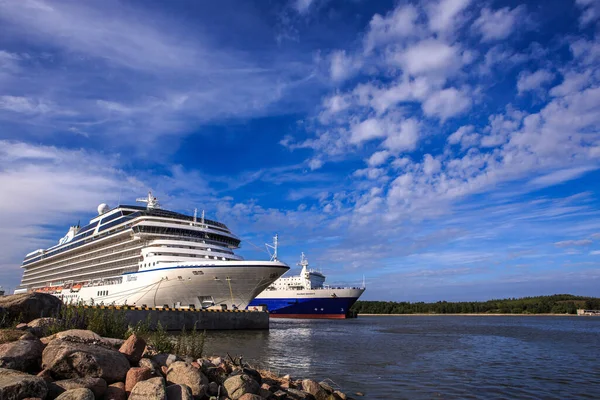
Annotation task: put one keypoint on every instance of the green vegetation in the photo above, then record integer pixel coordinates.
(555, 304)
(185, 344)
(107, 323)
(190, 343)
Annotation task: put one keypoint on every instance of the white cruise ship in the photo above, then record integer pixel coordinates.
(148, 256)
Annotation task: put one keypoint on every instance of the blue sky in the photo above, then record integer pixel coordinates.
(445, 149)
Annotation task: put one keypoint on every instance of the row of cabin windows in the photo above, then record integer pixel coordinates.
(103, 293)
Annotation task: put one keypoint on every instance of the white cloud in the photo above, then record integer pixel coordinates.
(367, 130)
(447, 103)
(464, 136)
(378, 158)
(23, 105)
(46, 186)
(302, 6)
(398, 24)
(403, 137)
(342, 66)
(533, 81)
(570, 243)
(155, 76)
(370, 173)
(573, 82)
(561, 176)
(498, 24)
(443, 14)
(590, 11)
(315, 163)
(431, 165)
(429, 56)
(586, 51)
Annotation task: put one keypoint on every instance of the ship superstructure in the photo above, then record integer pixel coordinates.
(148, 256)
(307, 296)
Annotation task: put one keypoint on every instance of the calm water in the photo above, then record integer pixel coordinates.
(432, 357)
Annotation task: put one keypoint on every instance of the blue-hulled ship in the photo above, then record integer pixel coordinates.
(306, 296)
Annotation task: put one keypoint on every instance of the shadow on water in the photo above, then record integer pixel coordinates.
(431, 357)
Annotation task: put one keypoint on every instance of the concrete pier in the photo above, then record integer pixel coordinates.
(178, 318)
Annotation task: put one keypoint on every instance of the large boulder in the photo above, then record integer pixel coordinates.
(179, 392)
(152, 389)
(28, 306)
(183, 373)
(77, 394)
(19, 385)
(239, 385)
(22, 355)
(133, 348)
(96, 385)
(67, 359)
(79, 336)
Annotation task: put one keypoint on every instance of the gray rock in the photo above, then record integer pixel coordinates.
(238, 385)
(313, 387)
(152, 389)
(98, 386)
(22, 355)
(67, 360)
(179, 392)
(79, 336)
(29, 306)
(19, 385)
(183, 373)
(77, 394)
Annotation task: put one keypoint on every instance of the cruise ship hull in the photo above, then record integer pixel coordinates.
(321, 303)
(232, 283)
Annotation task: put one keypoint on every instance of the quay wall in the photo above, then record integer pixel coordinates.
(178, 318)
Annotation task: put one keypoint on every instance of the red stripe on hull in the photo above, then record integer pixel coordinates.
(309, 316)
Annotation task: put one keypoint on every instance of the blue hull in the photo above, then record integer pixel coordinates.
(307, 307)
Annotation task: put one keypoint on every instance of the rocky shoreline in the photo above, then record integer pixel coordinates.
(78, 364)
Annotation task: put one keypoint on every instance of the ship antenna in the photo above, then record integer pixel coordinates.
(195, 215)
(151, 201)
(364, 285)
(274, 247)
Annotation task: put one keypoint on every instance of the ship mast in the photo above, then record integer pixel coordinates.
(274, 247)
(151, 201)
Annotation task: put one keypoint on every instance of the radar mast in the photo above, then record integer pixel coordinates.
(151, 201)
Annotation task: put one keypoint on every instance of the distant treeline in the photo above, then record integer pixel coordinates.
(555, 304)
